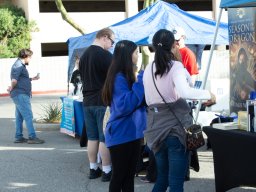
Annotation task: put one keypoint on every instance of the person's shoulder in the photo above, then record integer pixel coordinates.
(189, 51)
(177, 64)
(120, 80)
(93, 48)
(17, 64)
(101, 51)
(120, 76)
(148, 68)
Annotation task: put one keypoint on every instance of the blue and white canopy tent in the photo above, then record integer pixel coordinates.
(141, 27)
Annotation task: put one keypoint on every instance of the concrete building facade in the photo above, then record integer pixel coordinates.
(91, 15)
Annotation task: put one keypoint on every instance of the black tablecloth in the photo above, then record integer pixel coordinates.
(234, 153)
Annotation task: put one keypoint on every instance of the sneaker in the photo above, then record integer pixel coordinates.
(94, 174)
(144, 179)
(106, 176)
(21, 140)
(187, 178)
(35, 141)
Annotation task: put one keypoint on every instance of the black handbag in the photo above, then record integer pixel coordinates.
(194, 133)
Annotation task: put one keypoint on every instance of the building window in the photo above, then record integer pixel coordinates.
(84, 6)
(54, 49)
(191, 5)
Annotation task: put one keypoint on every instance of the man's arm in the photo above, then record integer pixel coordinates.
(13, 84)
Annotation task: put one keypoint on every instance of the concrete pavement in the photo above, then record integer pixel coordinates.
(60, 164)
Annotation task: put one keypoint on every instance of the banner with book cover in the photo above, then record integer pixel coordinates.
(242, 46)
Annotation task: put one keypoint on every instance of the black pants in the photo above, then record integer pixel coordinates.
(124, 158)
(151, 169)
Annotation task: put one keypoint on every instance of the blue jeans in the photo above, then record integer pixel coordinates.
(172, 162)
(93, 118)
(23, 111)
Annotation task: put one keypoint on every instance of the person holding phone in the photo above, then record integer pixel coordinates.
(124, 93)
(20, 92)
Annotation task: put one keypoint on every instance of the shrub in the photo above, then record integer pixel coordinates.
(14, 31)
(51, 113)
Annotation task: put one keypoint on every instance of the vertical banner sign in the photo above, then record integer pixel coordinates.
(242, 48)
(68, 119)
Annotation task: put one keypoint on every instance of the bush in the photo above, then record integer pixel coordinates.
(14, 31)
(51, 113)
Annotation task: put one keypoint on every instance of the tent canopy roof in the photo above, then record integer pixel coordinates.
(141, 27)
(237, 3)
(162, 15)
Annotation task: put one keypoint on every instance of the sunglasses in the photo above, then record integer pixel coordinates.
(112, 41)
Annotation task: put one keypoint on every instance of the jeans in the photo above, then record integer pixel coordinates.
(93, 118)
(23, 111)
(172, 162)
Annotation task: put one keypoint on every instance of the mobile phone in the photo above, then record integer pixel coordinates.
(198, 84)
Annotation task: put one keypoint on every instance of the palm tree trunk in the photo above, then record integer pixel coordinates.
(144, 49)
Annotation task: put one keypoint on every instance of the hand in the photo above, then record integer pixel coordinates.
(9, 89)
(140, 76)
(36, 77)
(211, 101)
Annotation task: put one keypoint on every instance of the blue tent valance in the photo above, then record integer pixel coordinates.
(237, 3)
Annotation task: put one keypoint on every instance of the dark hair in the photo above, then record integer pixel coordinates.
(121, 63)
(24, 53)
(242, 52)
(163, 41)
(104, 32)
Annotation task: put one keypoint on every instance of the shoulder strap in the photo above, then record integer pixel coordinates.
(163, 97)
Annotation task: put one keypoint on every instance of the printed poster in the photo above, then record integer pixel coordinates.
(67, 125)
(242, 47)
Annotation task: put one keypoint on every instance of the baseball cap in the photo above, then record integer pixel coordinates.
(178, 32)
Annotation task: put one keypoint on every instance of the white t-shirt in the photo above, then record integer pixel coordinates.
(173, 85)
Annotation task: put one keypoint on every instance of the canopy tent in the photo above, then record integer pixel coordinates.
(223, 4)
(141, 27)
(237, 3)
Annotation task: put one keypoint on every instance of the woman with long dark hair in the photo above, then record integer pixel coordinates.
(164, 135)
(124, 130)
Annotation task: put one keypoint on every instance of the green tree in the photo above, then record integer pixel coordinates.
(14, 31)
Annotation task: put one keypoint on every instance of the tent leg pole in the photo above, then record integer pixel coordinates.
(209, 61)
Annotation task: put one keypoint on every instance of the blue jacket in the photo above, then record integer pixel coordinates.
(126, 123)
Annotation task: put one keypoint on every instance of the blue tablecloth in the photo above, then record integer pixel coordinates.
(78, 116)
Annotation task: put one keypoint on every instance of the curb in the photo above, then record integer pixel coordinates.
(47, 126)
(39, 93)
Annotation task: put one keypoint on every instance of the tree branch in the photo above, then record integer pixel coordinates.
(66, 18)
